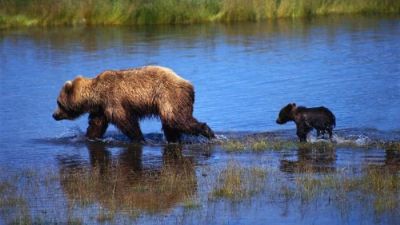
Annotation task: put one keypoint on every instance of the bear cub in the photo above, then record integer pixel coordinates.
(319, 118)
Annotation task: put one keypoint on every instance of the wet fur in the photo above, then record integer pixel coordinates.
(306, 119)
(123, 97)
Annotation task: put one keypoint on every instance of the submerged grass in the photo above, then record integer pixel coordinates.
(117, 12)
(115, 191)
(248, 144)
(257, 145)
(375, 186)
(236, 182)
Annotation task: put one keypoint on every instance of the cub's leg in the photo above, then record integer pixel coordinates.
(302, 131)
(330, 132)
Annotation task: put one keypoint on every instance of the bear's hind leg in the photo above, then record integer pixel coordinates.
(98, 124)
(318, 133)
(330, 132)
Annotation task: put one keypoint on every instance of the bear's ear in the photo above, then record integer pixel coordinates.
(68, 86)
(294, 104)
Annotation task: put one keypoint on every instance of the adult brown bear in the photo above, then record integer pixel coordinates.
(123, 97)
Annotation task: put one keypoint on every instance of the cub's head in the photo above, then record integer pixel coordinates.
(69, 106)
(286, 114)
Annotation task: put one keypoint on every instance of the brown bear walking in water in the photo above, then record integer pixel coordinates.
(123, 97)
(320, 118)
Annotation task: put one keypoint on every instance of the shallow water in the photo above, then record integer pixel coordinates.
(243, 74)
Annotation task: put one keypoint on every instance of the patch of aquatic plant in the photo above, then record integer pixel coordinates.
(386, 145)
(116, 12)
(18, 193)
(233, 146)
(272, 145)
(376, 186)
(191, 203)
(262, 144)
(151, 192)
(236, 182)
(111, 191)
(392, 146)
(320, 145)
(256, 145)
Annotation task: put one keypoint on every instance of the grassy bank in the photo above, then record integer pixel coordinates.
(129, 12)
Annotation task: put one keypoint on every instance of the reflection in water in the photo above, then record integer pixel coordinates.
(122, 184)
(392, 160)
(312, 160)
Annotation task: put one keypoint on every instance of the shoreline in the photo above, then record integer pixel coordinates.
(42, 13)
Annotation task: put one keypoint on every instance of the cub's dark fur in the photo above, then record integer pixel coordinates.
(320, 118)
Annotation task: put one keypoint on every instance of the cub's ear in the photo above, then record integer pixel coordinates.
(294, 104)
(68, 86)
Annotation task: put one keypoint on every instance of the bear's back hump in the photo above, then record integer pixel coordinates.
(146, 74)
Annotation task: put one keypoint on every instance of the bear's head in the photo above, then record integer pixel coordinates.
(286, 114)
(69, 101)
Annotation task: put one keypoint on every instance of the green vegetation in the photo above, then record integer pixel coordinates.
(233, 146)
(129, 12)
(392, 146)
(114, 193)
(237, 182)
(377, 186)
(248, 144)
(258, 145)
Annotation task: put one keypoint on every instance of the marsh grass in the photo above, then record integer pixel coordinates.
(272, 145)
(392, 146)
(258, 145)
(113, 191)
(233, 146)
(191, 203)
(150, 192)
(249, 144)
(237, 183)
(17, 191)
(375, 186)
(128, 12)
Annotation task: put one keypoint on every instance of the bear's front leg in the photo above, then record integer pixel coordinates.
(191, 126)
(302, 131)
(126, 122)
(171, 135)
(98, 124)
(131, 129)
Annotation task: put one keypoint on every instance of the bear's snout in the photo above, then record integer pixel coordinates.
(56, 116)
(278, 121)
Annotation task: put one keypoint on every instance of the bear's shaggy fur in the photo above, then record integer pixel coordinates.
(123, 97)
(320, 118)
